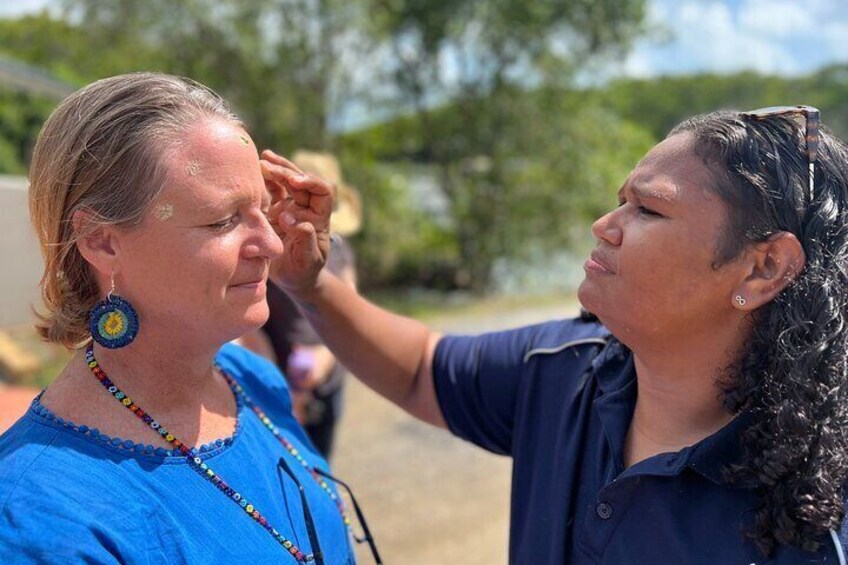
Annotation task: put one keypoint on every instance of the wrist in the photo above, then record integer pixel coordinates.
(298, 290)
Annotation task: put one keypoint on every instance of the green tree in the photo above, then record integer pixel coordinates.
(280, 62)
(484, 57)
(52, 45)
(21, 117)
(283, 64)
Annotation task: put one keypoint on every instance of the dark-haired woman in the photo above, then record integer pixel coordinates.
(704, 417)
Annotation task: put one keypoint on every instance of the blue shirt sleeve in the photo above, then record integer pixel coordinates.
(479, 379)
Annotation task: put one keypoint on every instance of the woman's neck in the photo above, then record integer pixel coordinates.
(679, 400)
(174, 383)
(171, 376)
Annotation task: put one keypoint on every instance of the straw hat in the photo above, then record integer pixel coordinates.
(346, 219)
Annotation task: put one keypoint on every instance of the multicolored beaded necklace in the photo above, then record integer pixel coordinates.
(203, 469)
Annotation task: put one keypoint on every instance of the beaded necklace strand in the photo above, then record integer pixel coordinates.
(203, 469)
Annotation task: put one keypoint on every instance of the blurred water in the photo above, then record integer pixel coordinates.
(542, 273)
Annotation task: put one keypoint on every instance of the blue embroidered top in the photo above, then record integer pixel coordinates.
(71, 494)
(558, 398)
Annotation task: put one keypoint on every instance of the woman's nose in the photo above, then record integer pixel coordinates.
(265, 242)
(607, 227)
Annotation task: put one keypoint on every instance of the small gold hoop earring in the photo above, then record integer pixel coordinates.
(740, 300)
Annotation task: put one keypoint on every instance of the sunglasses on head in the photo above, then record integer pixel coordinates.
(810, 124)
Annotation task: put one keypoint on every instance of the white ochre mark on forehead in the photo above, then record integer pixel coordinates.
(193, 168)
(243, 139)
(163, 212)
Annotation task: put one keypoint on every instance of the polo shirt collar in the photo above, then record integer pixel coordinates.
(613, 367)
(614, 370)
(712, 455)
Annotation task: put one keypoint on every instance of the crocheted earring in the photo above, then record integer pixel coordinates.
(113, 322)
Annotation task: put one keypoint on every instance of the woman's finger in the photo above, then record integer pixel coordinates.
(305, 215)
(269, 155)
(294, 178)
(275, 171)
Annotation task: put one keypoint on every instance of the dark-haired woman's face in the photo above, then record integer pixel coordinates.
(651, 275)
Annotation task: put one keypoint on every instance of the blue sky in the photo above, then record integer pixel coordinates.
(786, 37)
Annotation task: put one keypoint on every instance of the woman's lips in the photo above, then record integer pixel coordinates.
(250, 285)
(597, 263)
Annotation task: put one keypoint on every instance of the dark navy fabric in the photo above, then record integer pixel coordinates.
(558, 398)
(69, 494)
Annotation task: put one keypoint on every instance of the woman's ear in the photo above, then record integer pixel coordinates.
(774, 264)
(96, 242)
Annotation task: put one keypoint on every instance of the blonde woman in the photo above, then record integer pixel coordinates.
(160, 443)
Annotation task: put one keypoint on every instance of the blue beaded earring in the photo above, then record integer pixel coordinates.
(113, 322)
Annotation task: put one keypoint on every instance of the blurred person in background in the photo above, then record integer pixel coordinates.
(315, 378)
(160, 442)
(700, 413)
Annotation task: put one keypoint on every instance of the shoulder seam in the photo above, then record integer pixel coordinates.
(564, 346)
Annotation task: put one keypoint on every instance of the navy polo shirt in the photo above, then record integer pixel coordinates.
(558, 397)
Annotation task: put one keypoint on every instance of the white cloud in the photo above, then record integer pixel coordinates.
(778, 19)
(770, 36)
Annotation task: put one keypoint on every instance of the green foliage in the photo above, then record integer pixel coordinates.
(495, 51)
(399, 245)
(10, 162)
(279, 62)
(661, 103)
(21, 117)
(556, 169)
(577, 161)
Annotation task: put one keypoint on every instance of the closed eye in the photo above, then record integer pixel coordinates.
(224, 224)
(649, 212)
(643, 210)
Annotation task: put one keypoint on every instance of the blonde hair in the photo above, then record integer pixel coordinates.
(102, 151)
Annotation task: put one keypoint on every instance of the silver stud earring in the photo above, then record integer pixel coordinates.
(740, 300)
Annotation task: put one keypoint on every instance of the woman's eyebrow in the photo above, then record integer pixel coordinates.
(224, 204)
(662, 191)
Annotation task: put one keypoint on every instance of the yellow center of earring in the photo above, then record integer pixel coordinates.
(114, 324)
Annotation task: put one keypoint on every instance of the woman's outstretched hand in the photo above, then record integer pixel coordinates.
(300, 214)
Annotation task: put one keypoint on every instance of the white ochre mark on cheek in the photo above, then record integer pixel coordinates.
(163, 212)
(244, 139)
(192, 169)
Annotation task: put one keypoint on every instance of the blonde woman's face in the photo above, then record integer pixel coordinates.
(198, 264)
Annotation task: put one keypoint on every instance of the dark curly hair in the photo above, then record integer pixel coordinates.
(792, 379)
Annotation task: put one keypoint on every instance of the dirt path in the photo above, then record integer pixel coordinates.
(429, 498)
